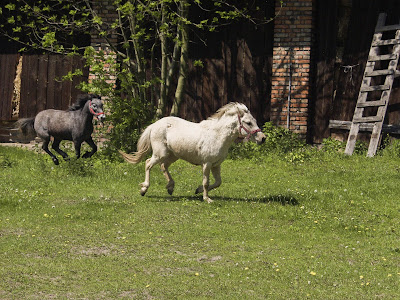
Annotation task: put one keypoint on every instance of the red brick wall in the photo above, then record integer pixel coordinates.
(106, 10)
(293, 37)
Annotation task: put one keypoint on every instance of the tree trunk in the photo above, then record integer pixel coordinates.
(183, 63)
(162, 100)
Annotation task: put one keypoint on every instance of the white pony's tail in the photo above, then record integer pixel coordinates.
(143, 148)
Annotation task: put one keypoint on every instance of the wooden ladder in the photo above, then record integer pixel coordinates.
(363, 102)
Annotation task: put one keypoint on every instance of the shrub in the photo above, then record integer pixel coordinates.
(278, 141)
(331, 145)
(391, 147)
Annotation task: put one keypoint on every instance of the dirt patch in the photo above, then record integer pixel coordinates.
(30, 146)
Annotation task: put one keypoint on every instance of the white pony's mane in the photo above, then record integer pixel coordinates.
(230, 108)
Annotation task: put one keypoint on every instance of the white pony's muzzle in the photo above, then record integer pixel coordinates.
(260, 138)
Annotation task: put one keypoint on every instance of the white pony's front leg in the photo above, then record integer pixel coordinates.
(206, 182)
(216, 171)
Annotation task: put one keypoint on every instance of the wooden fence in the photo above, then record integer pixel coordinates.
(41, 84)
(8, 67)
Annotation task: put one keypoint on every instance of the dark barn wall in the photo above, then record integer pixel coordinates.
(236, 68)
(341, 54)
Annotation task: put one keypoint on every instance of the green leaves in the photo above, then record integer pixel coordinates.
(10, 6)
(11, 20)
(49, 39)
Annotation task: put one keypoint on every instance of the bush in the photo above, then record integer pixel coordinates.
(278, 141)
(391, 148)
(331, 145)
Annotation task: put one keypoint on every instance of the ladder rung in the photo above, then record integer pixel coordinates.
(385, 42)
(368, 119)
(375, 88)
(372, 103)
(387, 28)
(379, 73)
(383, 57)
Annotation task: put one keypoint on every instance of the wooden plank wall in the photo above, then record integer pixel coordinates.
(8, 67)
(42, 86)
(237, 64)
(325, 67)
(238, 76)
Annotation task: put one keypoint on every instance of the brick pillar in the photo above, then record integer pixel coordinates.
(106, 10)
(292, 46)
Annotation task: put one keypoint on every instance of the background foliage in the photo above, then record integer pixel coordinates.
(143, 58)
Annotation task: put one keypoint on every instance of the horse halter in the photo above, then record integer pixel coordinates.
(93, 112)
(249, 133)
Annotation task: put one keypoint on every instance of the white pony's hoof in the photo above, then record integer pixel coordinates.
(144, 188)
(208, 200)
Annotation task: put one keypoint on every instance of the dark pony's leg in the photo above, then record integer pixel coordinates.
(77, 145)
(45, 147)
(56, 147)
(91, 144)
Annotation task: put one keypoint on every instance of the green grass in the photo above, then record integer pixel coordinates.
(326, 227)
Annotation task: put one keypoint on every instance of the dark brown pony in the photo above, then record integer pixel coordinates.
(74, 124)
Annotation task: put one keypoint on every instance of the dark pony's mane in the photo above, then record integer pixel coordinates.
(81, 101)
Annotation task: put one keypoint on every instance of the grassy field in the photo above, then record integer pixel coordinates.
(327, 227)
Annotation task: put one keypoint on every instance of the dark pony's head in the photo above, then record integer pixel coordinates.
(81, 101)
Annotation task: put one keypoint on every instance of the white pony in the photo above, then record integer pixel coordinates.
(205, 143)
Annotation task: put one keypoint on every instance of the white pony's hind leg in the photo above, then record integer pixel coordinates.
(164, 167)
(149, 164)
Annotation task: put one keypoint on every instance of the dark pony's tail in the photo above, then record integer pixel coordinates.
(26, 125)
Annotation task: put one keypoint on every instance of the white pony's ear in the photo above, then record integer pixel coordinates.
(241, 109)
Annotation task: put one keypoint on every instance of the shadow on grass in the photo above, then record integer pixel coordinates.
(281, 199)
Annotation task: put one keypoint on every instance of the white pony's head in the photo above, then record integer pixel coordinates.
(246, 125)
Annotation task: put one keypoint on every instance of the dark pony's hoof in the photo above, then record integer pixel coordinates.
(55, 161)
(86, 155)
(197, 190)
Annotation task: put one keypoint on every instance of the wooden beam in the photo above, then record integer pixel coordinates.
(379, 73)
(387, 28)
(367, 119)
(372, 103)
(382, 57)
(385, 42)
(383, 87)
(346, 125)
